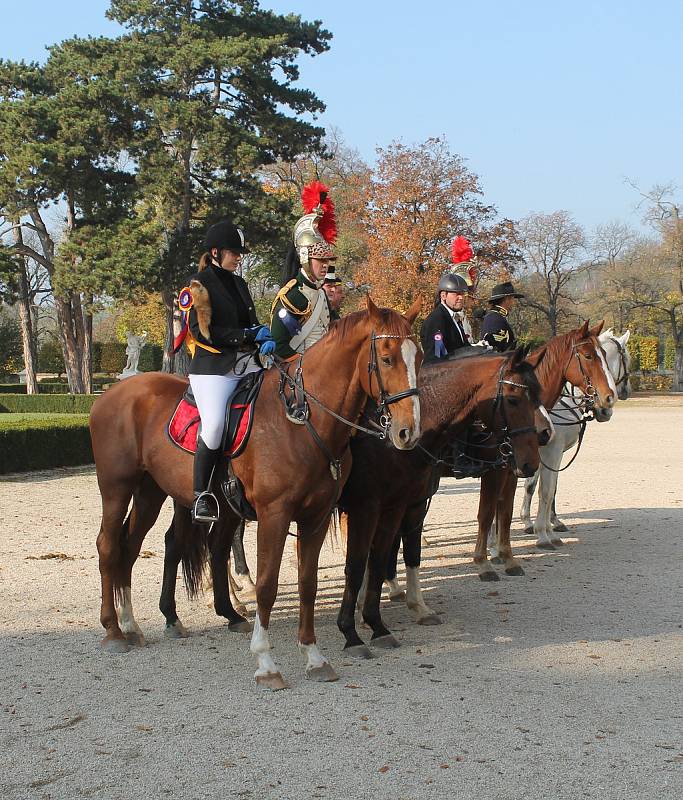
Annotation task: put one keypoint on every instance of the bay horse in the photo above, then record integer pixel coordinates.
(567, 417)
(387, 490)
(575, 358)
(289, 472)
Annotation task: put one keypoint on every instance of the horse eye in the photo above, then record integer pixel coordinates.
(513, 401)
(588, 356)
(386, 360)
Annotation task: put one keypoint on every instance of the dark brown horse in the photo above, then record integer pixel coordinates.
(287, 475)
(387, 490)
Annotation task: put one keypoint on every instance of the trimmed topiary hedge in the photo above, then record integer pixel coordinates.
(46, 404)
(43, 441)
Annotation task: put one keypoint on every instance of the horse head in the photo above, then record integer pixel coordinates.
(618, 360)
(391, 376)
(587, 368)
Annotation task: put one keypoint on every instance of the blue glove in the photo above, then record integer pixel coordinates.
(262, 334)
(267, 347)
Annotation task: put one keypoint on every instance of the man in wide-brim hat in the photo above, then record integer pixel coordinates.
(495, 328)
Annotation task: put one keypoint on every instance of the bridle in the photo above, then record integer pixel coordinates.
(589, 393)
(385, 399)
(504, 435)
(624, 374)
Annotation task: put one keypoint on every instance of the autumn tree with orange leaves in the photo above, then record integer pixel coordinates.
(418, 199)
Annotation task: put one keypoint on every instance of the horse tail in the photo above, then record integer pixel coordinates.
(119, 573)
(193, 545)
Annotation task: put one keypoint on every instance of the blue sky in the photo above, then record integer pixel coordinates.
(552, 104)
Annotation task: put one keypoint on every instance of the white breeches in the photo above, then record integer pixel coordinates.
(212, 394)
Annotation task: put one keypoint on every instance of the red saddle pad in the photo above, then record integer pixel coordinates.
(184, 424)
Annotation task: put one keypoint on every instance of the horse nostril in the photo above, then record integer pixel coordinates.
(543, 438)
(404, 435)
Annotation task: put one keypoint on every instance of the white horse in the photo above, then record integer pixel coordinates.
(566, 416)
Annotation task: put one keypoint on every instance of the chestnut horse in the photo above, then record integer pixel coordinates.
(387, 490)
(289, 472)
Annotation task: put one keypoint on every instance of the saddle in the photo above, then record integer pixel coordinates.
(183, 428)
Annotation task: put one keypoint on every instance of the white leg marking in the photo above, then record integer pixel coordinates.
(409, 351)
(127, 621)
(260, 647)
(314, 658)
(492, 541)
(414, 599)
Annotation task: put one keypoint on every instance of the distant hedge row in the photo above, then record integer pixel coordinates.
(46, 404)
(43, 441)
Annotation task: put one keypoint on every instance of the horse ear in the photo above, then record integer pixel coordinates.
(518, 355)
(373, 311)
(595, 331)
(625, 338)
(535, 358)
(413, 311)
(583, 330)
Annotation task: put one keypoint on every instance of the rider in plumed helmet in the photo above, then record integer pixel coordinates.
(300, 314)
(222, 334)
(495, 328)
(447, 328)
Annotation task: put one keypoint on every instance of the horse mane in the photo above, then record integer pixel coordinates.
(555, 356)
(527, 375)
(392, 323)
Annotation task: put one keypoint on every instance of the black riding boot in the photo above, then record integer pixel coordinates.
(205, 507)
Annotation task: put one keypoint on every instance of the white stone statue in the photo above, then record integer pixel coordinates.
(133, 348)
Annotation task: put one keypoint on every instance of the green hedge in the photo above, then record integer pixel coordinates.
(43, 441)
(50, 404)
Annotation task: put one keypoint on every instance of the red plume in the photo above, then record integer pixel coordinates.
(310, 197)
(461, 250)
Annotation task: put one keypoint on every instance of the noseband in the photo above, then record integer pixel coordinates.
(385, 399)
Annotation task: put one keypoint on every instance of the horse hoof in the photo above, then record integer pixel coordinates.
(496, 560)
(135, 639)
(430, 619)
(516, 570)
(557, 542)
(272, 681)
(529, 529)
(323, 674)
(176, 631)
(491, 575)
(241, 626)
(358, 651)
(561, 527)
(546, 545)
(115, 645)
(397, 597)
(386, 642)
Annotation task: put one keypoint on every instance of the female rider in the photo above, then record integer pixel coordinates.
(223, 331)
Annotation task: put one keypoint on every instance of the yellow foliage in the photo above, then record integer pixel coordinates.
(148, 315)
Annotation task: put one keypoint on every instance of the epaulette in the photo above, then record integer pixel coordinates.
(282, 297)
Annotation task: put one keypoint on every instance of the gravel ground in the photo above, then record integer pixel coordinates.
(564, 683)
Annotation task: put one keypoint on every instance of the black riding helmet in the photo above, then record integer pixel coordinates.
(452, 282)
(225, 236)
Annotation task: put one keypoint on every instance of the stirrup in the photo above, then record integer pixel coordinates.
(205, 517)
